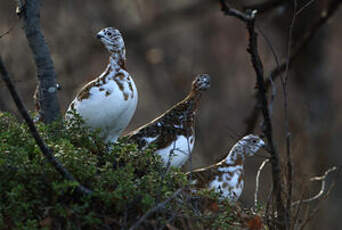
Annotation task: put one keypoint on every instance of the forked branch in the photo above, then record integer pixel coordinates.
(323, 186)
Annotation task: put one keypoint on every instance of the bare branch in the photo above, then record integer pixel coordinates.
(155, 209)
(275, 56)
(267, 6)
(245, 17)
(286, 116)
(29, 14)
(9, 30)
(257, 181)
(249, 19)
(296, 215)
(252, 118)
(304, 7)
(313, 212)
(45, 150)
(321, 192)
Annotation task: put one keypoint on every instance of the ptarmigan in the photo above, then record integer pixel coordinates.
(173, 133)
(226, 176)
(108, 102)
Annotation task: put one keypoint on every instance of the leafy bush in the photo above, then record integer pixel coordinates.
(126, 182)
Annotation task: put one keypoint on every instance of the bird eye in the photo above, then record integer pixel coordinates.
(109, 33)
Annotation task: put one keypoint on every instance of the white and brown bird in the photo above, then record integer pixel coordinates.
(108, 102)
(173, 132)
(227, 176)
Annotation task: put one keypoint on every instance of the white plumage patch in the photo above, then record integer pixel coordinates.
(110, 106)
(229, 187)
(178, 152)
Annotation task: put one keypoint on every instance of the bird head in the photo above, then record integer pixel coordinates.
(112, 40)
(251, 144)
(202, 82)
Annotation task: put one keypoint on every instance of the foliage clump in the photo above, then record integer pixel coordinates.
(126, 182)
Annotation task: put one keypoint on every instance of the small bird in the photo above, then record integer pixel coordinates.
(173, 132)
(108, 103)
(226, 176)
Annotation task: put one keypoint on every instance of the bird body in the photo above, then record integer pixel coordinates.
(178, 152)
(108, 102)
(173, 133)
(227, 176)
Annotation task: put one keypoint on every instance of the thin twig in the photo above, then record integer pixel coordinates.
(315, 211)
(267, 209)
(45, 150)
(321, 192)
(154, 209)
(257, 181)
(265, 7)
(304, 7)
(10, 29)
(318, 195)
(236, 13)
(276, 58)
(286, 117)
(252, 118)
(298, 211)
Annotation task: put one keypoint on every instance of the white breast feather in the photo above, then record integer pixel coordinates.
(178, 150)
(109, 113)
(235, 191)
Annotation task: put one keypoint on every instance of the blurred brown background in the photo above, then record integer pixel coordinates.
(168, 43)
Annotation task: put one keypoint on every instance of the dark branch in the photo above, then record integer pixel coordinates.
(245, 17)
(29, 14)
(9, 30)
(284, 81)
(155, 209)
(45, 150)
(252, 118)
(265, 7)
(249, 19)
(308, 36)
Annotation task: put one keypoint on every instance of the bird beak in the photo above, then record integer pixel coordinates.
(99, 36)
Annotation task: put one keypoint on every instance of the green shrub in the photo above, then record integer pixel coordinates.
(126, 183)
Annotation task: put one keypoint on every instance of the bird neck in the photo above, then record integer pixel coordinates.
(235, 157)
(188, 106)
(118, 59)
(192, 100)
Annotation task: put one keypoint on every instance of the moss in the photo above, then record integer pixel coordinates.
(126, 183)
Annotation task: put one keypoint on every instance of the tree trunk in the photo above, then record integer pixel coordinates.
(46, 96)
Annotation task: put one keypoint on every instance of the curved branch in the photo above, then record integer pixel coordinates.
(321, 192)
(45, 150)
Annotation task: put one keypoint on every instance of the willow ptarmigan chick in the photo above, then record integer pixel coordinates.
(108, 102)
(226, 176)
(173, 133)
